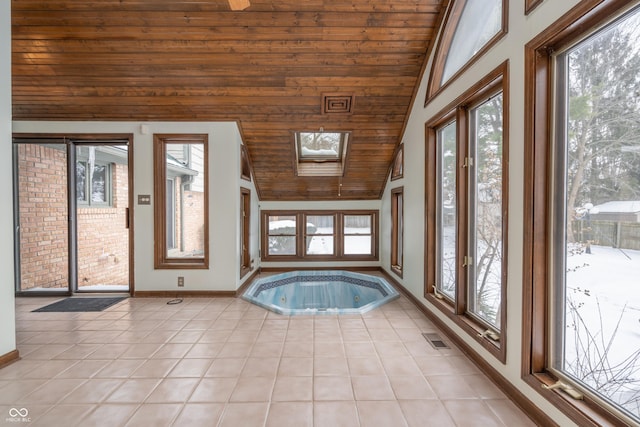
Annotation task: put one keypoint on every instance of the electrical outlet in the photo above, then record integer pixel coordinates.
(180, 281)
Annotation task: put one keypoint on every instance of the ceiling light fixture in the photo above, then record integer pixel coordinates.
(239, 4)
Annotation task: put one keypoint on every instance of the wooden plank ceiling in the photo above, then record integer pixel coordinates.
(267, 67)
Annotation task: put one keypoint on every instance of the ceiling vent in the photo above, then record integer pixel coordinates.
(337, 103)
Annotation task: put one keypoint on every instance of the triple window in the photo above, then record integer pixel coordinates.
(318, 235)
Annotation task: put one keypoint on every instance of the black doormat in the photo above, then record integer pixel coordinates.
(81, 304)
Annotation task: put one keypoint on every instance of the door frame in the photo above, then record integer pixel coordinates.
(70, 141)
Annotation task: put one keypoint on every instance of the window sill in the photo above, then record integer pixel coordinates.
(180, 264)
(317, 258)
(496, 348)
(587, 412)
(244, 271)
(397, 270)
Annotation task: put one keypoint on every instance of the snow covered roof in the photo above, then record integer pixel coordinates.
(284, 223)
(623, 206)
(177, 166)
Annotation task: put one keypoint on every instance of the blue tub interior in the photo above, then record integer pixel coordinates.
(320, 292)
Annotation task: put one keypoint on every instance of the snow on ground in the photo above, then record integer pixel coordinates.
(321, 245)
(607, 284)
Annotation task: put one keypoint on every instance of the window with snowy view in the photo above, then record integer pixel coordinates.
(596, 252)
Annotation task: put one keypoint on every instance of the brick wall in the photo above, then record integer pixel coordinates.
(189, 210)
(194, 222)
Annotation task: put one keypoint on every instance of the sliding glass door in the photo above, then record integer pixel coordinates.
(71, 216)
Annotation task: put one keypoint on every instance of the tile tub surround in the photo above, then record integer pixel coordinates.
(227, 362)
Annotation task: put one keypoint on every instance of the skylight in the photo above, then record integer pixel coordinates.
(321, 153)
(320, 146)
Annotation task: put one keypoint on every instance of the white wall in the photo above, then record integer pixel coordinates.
(521, 29)
(224, 199)
(7, 299)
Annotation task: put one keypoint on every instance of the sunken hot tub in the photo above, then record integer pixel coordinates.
(320, 292)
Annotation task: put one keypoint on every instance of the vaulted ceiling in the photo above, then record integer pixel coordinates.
(276, 67)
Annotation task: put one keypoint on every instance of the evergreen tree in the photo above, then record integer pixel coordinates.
(603, 128)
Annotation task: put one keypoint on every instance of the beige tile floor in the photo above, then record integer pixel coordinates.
(225, 362)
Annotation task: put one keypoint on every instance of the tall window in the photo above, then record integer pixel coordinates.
(181, 208)
(485, 211)
(466, 210)
(397, 229)
(471, 28)
(245, 231)
(582, 295)
(446, 213)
